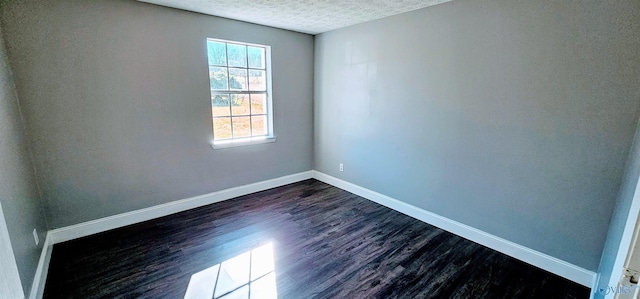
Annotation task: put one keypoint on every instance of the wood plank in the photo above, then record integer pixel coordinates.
(328, 243)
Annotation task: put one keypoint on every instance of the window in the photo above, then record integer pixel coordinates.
(240, 81)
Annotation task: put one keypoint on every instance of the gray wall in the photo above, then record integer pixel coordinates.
(513, 117)
(23, 209)
(620, 214)
(116, 101)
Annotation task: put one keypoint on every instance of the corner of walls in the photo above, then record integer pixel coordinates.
(485, 119)
(153, 145)
(623, 220)
(27, 140)
(517, 251)
(19, 188)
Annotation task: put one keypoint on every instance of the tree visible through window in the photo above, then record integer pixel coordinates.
(240, 90)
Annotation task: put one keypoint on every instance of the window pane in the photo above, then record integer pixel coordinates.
(241, 128)
(217, 53)
(256, 57)
(218, 78)
(259, 125)
(220, 105)
(238, 80)
(233, 273)
(257, 80)
(258, 103)
(239, 104)
(237, 55)
(221, 128)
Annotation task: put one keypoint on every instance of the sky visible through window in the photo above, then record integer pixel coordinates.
(250, 275)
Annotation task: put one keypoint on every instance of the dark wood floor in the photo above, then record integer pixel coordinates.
(327, 243)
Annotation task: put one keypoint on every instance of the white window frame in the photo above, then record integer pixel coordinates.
(241, 141)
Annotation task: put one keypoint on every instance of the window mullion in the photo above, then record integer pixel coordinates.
(237, 131)
(246, 51)
(226, 52)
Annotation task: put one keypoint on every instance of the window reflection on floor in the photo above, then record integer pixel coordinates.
(250, 275)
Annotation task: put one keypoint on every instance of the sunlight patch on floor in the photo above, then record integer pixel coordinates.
(250, 275)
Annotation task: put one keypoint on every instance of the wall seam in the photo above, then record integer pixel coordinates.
(28, 140)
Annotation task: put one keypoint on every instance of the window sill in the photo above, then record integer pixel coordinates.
(242, 142)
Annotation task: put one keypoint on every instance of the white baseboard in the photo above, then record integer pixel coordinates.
(108, 223)
(40, 278)
(535, 258)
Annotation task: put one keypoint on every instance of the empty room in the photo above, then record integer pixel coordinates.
(319, 149)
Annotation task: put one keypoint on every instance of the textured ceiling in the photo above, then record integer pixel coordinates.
(308, 16)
